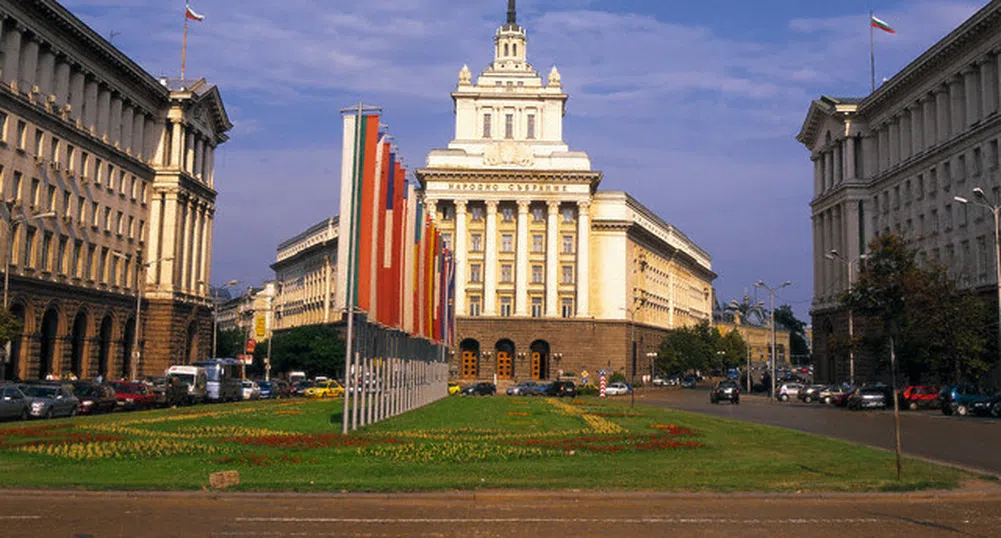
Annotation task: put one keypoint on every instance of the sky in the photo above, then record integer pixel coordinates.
(692, 107)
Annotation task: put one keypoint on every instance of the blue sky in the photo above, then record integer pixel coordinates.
(691, 107)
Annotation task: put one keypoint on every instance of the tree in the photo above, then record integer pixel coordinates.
(700, 347)
(799, 346)
(10, 327)
(229, 343)
(314, 349)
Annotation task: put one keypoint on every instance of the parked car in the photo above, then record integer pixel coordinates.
(250, 389)
(725, 390)
(170, 391)
(95, 397)
(916, 396)
(811, 393)
(830, 393)
(299, 387)
(453, 388)
(841, 400)
(267, 390)
(689, 382)
(990, 406)
(195, 378)
(325, 389)
(787, 391)
(525, 388)
(617, 389)
(560, 389)
(13, 403)
(479, 389)
(867, 398)
(956, 399)
(133, 396)
(48, 401)
(281, 388)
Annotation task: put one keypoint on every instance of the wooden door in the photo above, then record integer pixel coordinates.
(505, 368)
(470, 365)
(536, 365)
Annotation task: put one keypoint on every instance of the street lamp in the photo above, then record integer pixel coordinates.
(833, 255)
(771, 295)
(8, 224)
(140, 282)
(734, 305)
(981, 200)
(215, 314)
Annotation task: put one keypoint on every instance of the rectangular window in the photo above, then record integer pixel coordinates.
(67, 204)
(82, 211)
(22, 135)
(946, 175)
(475, 273)
(474, 306)
(507, 214)
(536, 307)
(145, 194)
(29, 248)
(530, 132)
(120, 223)
(121, 183)
(55, 149)
(70, 157)
(3, 126)
(107, 219)
(75, 270)
(568, 274)
(102, 266)
(141, 230)
(113, 274)
(45, 261)
(16, 187)
(537, 274)
(509, 126)
(39, 140)
(932, 180)
(487, 128)
(98, 171)
(538, 244)
(506, 273)
(566, 307)
(538, 214)
(992, 154)
(35, 194)
(476, 212)
(476, 243)
(507, 243)
(978, 161)
(446, 240)
(567, 214)
(51, 191)
(447, 212)
(921, 187)
(132, 228)
(567, 244)
(505, 306)
(61, 256)
(90, 262)
(84, 163)
(961, 169)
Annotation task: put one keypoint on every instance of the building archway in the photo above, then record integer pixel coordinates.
(539, 352)
(78, 342)
(104, 347)
(48, 334)
(13, 366)
(505, 358)
(127, 355)
(470, 364)
(192, 343)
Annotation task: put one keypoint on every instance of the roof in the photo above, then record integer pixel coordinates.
(201, 90)
(820, 110)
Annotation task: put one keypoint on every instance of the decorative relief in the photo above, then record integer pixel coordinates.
(509, 153)
(465, 77)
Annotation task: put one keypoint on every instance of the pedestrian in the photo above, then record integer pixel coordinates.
(99, 379)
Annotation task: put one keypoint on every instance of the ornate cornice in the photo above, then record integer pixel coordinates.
(515, 176)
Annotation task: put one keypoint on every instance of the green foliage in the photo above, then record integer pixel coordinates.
(939, 330)
(798, 343)
(701, 347)
(229, 343)
(617, 377)
(314, 349)
(10, 327)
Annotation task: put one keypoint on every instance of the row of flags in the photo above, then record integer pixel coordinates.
(398, 270)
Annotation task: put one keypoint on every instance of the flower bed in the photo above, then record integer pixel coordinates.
(263, 460)
(310, 441)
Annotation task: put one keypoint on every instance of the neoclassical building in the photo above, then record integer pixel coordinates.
(305, 277)
(554, 276)
(107, 175)
(892, 162)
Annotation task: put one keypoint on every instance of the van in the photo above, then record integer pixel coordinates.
(196, 379)
(296, 376)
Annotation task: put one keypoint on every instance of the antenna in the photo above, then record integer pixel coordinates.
(112, 35)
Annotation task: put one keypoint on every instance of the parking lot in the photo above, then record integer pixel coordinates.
(966, 441)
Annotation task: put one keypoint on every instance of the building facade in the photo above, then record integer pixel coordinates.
(554, 276)
(107, 175)
(305, 278)
(893, 162)
(253, 313)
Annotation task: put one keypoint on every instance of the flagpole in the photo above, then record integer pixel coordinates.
(349, 296)
(872, 54)
(184, 43)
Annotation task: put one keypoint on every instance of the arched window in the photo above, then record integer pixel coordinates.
(505, 49)
(514, 49)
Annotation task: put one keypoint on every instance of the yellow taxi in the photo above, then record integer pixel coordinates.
(326, 389)
(453, 388)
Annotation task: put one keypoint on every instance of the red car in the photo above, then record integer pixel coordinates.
(133, 396)
(916, 396)
(841, 400)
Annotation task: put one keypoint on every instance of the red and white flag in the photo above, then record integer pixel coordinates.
(190, 13)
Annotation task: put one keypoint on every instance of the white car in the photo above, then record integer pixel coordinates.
(616, 389)
(251, 390)
(789, 390)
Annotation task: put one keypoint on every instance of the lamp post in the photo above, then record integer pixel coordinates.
(850, 264)
(140, 281)
(771, 295)
(744, 313)
(980, 199)
(8, 224)
(215, 314)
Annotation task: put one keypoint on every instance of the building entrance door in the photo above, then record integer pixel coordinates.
(536, 365)
(505, 368)
(470, 365)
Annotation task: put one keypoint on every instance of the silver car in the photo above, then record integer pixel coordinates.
(13, 403)
(48, 401)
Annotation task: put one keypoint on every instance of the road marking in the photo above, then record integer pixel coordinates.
(644, 520)
(20, 517)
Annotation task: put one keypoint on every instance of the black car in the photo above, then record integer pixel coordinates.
(561, 389)
(299, 387)
(95, 397)
(689, 382)
(171, 391)
(479, 389)
(725, 390)
(987, 407)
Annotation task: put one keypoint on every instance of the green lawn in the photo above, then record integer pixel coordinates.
(458, 443)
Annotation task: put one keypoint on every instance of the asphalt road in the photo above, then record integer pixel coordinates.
(972, 442)
(153, 515)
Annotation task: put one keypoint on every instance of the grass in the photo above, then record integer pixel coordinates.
(457, 443)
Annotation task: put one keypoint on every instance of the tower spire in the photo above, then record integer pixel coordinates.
(512, 16)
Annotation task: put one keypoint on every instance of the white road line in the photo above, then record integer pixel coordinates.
(645, 520)
(20, 517)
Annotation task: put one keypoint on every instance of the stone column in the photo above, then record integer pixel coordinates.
(849, 166)
(490, 262)
(552, 258)
(210, 169)
(918, 127)
(103, 113)
(46, 72)
(90, 100)
(460, 257)
(196, 243)
(207, 247)
(988, 100)
(828, 170)
(818, 175)
(176, 143)
(971, 96)
(930, 135)
(62, 83)
(168, 230)
(819, 256)
(894, 139)
(189, 152)
(905, 134)
(78, 89)
(139, 135)
(958, 108)
(128, 124)
(583, 258)
(199, 157)
(29, 63)
(838, 163)
(521, 261)
(942, 107)
(12, 55)
(183, 243)
(115, 122)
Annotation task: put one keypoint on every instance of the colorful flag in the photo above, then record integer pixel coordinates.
(190, 13)
(881, 24)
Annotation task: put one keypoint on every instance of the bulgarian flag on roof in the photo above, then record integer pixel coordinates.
(190, 13)
(881, 24)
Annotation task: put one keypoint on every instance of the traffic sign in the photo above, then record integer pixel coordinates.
(251, 345)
